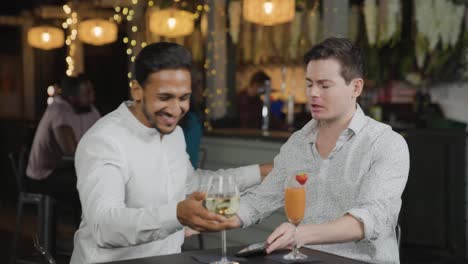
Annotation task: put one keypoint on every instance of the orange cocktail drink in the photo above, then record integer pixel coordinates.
(294, 204)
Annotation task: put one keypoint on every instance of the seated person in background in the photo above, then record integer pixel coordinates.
(91, 91)
(192, 123)
(249, 102)
(63, 124)
(357, 167)
(134, 173)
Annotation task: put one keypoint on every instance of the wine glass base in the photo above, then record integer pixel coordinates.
(224, 262)
(295, 256)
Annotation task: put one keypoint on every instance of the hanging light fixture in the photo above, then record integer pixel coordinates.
(171, 22)
(45, 37)
(269, 12)
(97, 32)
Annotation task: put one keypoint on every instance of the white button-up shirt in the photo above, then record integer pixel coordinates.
(130, 182)
(364, 175)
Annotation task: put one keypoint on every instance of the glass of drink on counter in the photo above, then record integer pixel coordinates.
(222, 197)
(294, 205)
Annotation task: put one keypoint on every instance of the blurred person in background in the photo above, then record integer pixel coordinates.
(249, 102)
(61, 127)
(192, 123)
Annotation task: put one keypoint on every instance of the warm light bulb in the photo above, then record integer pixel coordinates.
(171, 22)
(45, 36)
(268, 7)
(51, 90)
(97, 31)
(66, 9)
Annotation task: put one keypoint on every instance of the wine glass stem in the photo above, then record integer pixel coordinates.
(295, 250)
(223, 244)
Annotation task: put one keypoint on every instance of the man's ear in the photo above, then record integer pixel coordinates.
(136, 91)
(358, 84)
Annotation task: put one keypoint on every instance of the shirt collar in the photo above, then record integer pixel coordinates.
(60, 100)
(355, 126)
(358, 121)
(135, 123)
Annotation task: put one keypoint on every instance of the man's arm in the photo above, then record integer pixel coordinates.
(101, 181)
(377, 206)
(344, 229)
(66, 139)
(265, 169)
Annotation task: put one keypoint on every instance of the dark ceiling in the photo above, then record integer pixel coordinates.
(15, 7)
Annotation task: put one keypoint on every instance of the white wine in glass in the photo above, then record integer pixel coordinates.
(222, 197)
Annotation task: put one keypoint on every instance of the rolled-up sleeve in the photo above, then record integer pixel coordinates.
(379, 200)
(101, 180)
(264, 199)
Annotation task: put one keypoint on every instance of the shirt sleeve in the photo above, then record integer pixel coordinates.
(61, 116)
(379, 199)
(264, 199)
(101, 178)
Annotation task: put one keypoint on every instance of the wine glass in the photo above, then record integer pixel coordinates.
(222, 197)
(294, 205)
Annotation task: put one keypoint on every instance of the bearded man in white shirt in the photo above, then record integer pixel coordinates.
(357, 167)
(134, 173)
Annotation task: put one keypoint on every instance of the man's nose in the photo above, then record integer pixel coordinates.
(314, 91)
(175, 108)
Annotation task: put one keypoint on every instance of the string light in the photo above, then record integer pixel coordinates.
(71, 24)
(128, 14)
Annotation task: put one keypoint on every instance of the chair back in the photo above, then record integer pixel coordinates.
(46, 256)
(18, 165)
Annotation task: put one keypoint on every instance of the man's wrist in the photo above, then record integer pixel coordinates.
(238, 221)
(301, 235)
(265, 169)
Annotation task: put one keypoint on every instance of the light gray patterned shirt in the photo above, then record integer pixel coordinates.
(364, 175)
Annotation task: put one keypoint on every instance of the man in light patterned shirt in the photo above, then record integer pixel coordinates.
(357, 167)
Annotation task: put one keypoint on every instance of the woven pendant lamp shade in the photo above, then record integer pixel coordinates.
(268, 12)
(171, 22)
(97, 32)
(46, 37)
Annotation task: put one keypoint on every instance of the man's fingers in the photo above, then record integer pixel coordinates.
(277, 244)
(198, 196)
(282, 237)
(209, 226)
(279, 231)
(210, 216)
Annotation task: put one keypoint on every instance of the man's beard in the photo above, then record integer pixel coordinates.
(150, 119)
(148, 115)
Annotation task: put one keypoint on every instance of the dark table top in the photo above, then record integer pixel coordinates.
(186, 257)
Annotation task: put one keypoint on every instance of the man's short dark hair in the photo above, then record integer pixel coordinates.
(344, 51)
(71, 85)
(160, 56)
(259, 77)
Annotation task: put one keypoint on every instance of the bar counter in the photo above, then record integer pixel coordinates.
(248, 133)
(186, 257)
